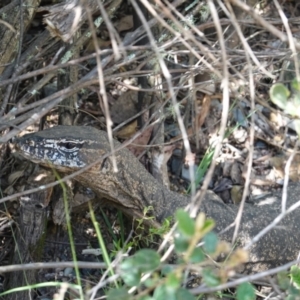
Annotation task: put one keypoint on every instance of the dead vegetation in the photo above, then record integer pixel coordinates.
(192, 78)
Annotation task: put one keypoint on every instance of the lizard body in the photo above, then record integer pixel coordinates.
(69, 148)
(132, 188)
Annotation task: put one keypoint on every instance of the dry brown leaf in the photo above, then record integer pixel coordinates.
(12, 178)
(237, 194)
(200, 118)
(254, 178)
(125, 23)
(227, 167)
(204, 111)
(125, 107)
(138, 145)
(279, 162)
(127, 131)
(160, 157)
(90, 48)
(189, 159)
(236, 173)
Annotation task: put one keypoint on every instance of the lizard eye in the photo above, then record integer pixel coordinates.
(70, 145)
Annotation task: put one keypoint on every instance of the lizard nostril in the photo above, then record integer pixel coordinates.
(31, 143)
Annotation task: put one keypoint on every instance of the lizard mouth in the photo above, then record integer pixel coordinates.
(27, 153)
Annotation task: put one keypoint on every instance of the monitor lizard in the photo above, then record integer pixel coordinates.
(132, 188)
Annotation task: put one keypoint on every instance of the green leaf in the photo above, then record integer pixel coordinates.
(210, 278)
(132, 268)
(185, 223)
(283, 280)
(173, 281)
(129, 272)
(210, 242)
(181, 243)
(279, 95)
(146, 260)
(162, 292)
(295, 276)
(295, 84)
(197, 256)
(184, 294)
(203, 166)
(143, 261)
(245, 291)
(166, 269)
(209, 224)
(290, 108)
(293, 293)
(150, 282)
(146, 298)
(118, 294)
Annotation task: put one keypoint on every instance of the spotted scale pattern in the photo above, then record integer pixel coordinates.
(61, 152)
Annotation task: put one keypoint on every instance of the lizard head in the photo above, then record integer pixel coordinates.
(63, 147)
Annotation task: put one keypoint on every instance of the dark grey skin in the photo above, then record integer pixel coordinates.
(132, 188)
